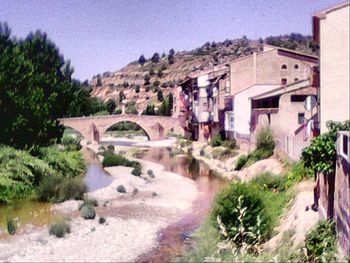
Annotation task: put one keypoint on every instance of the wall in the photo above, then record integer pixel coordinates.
(342, 194)
(241, 74)
(334, 66)
(242, 107)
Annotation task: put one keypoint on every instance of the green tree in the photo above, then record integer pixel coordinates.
(121, 96)
(167, 106)
(110, 106)
(155, 58)
(160, 95)
(147, 78)
(142, 60)
(98, 82)
(149, 110)
(137, 88)
(36, 88)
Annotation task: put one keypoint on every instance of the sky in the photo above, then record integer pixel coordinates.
(105, 35)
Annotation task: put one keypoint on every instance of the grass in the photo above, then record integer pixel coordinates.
(276, 198)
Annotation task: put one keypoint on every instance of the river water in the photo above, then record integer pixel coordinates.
(173, 240)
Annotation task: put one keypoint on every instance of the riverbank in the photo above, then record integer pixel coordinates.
(133, 219)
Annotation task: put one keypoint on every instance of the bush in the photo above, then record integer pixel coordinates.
(265, 140)
(217, 140)
(320, 243)
(66, 163)
(136, 171)
(150, 173)
(110, 148)
(89, 201)
(297, 173)
(101, 220)
(241, 162)
(58, 189)
(88, 212)
(271, 182)
(59, 228)
(70, 143)
(231, 144)
(111, 159)
(20, 172)
(121, 189)
(11, 226)
(226, 203)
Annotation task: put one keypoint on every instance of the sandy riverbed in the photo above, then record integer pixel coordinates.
(133, 220)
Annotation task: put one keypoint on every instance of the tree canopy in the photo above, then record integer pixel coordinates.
(36, 88)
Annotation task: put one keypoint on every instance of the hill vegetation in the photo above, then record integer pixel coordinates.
(142, 79)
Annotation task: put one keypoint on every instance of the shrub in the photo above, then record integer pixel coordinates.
(89, 201)
(66, 163)
(11, 226)
(297, 173)
(231, 144)
(320, 243)
(271, 182)
(88, 212)
(150, 173)
(58, 189)
(20, 172)
(321, 155)
(136, 171)
(259, 154)
(154, 194)
(121, 189)
(110, 148)
(59, 228)
(101, 220)
(111, 159)
(70, 143)
(217, 140)
(227, 201)
(265, 140)
(241, 162)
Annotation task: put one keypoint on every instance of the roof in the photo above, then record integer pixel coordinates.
(301, 84)
(273, 48)
(322, 13)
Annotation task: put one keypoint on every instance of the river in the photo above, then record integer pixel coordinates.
(174, 240)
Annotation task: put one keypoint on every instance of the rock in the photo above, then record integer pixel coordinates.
(121, 189)
(267, 165)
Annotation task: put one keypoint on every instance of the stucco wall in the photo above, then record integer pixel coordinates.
(334, 66)
(242, 107)
(242, 74)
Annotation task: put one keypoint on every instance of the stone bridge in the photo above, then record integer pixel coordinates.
(92, 128)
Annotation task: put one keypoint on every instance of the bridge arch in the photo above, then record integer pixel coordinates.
(104, 131)
(92, 128)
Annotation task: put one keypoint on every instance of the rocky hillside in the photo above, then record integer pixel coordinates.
(141, 80)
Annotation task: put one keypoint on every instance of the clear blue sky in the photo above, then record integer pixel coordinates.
(104, 35)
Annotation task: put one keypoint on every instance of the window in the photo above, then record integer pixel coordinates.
(296, 79)
(298, 98)
(296, 66)
(301, 118)
(227, 86)
(284, 66)
(229, 121)
(284, 81)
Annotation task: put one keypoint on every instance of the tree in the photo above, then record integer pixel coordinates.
(151, 71)
(149, 110)
(36, 88)
(155, 58)
(160, 95)
(110, 106)
(98, 82)
(121, 96)
(160, 73)
(171, 52)
(167, 106)
(147, 78)
(163, 55)
(137, 88)
(142, 60)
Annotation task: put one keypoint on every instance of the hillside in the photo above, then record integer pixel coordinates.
(140, 80)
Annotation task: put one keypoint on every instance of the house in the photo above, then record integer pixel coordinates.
(283, 109)
(259, 73)
(331, 32)
(201, 100)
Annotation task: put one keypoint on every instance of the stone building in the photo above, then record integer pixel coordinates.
(259, 73)
(331, 32)
(201, 100)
